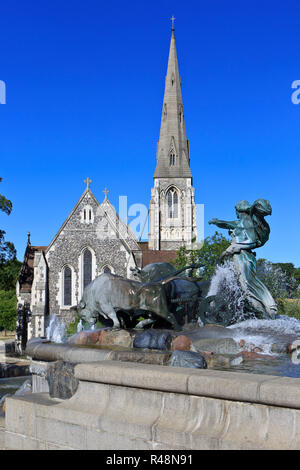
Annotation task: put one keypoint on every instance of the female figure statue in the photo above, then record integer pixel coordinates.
(248, 232)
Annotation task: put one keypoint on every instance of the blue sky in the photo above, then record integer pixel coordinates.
(85, 83)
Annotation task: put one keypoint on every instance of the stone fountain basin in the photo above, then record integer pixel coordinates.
(260, 348)
(258, 337)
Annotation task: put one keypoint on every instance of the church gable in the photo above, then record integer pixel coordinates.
(82, 216)
(101, 219)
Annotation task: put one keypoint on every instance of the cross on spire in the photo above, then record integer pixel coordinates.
(87, 181)
(106, 191)
(173, 19)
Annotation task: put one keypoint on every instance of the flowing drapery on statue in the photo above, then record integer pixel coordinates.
(248, 232)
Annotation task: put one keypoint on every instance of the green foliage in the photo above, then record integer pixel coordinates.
(290, 307)
(5, 204)
(287, 268)
(208, 255)
(9, 268)
(8, 310)
(7, 249)
(72, 328)
(9, 272)
(290, 270)
(279, 279)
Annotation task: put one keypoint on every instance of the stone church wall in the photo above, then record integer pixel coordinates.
(172, 233)
(97, 235)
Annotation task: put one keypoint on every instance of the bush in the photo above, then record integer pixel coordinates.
(8, 310)
(280, 283)
(289, 307)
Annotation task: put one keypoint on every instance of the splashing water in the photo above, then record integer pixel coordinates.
(79, 326)
(56, 330)
(263, 333)
(254, 332)
(50, 328)
(225, 284)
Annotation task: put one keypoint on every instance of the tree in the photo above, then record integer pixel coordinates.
(278, 278)
(5, 204)
(9, 272)
(9, 269)
(7, 249)
(8, 307)
(290, 270)
(208, 255)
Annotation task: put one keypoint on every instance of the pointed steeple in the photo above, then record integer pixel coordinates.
(173, 156)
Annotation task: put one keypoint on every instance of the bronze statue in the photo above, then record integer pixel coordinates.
(248, 232)
(164, 298)
(108, 295)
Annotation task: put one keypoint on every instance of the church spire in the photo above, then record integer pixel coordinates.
(173, 148)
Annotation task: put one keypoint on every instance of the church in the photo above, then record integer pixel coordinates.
(93, 239)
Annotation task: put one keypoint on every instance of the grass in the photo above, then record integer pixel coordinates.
(7, 334)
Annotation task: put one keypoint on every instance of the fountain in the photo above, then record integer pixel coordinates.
(79, 326)
(56, 330)
(231, 321)
(179, 363)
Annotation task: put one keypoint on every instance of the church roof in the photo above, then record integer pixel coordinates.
(27, 269)
(156, 256)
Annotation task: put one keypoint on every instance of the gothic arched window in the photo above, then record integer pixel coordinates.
(67, 286)
(172, 198)
(87, 267)
(107, 269)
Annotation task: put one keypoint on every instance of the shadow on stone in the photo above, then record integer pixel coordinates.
(61, 380)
